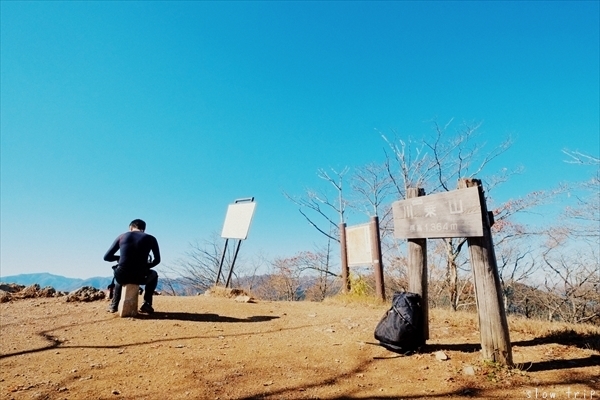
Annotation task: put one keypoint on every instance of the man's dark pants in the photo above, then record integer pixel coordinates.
(151, 281)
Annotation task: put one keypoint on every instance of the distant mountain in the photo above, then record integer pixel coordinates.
(65, 284)
(58, 282)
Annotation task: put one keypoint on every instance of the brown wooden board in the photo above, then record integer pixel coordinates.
(456, 213)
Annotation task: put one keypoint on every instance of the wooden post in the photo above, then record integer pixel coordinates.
(344, 260)
(493, 326)
(417, 267)
(376, 254)
(128, 305)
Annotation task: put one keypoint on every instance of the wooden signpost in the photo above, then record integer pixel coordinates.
(458, 213)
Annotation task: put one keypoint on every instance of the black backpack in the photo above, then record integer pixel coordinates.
(401, 328)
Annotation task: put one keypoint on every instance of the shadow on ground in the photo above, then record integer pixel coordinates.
(591, 361)
(197, 317)
(566, 338)
(588, 341)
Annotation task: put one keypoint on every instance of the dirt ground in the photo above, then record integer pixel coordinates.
(216, 348)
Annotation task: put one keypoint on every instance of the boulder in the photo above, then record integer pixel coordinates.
(85, 294)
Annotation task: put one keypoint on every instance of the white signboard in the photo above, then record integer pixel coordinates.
(237, 220)
(358, 245)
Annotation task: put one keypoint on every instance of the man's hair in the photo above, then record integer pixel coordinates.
(138, 224)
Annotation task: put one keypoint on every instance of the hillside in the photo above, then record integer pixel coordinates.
(215, 348)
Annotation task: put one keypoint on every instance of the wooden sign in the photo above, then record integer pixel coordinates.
(358, 245)
(456, 213)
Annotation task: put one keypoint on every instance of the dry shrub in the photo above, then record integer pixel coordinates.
(230, 293)
(585, 336)
(453, 318)
(353, 298)
(541, 328)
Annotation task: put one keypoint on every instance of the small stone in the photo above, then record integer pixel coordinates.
(440, 356)
(469, 370)
(244, 299)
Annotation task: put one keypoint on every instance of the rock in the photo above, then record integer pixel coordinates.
(86, 293)
(12, 291)
(29, 292)
(469, 370)
(440, 356)
(11, 287)
(5, 296)
(244, 299)
(48, 291)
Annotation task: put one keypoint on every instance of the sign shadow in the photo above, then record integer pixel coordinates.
(204, 317)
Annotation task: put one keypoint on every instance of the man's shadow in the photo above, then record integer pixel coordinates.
(196, 317)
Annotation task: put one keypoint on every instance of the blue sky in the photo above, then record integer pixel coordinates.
(169, 111)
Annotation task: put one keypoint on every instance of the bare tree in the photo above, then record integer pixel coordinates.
(572, 252)
(515, 245)
(371, 189)
(283, 281)
(197, 270)
(574, 280)
(436, 164)
(322, 280)
(321, 208)
(585, 215)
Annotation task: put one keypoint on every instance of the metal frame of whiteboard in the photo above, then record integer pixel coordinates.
(237, 220)
(359, 249)
(456, 213)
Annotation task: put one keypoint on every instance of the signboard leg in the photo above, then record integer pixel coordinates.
(344, 259)
(417, 267)
(493, 325)
(233, 263)
(376, 254)
(221, 263)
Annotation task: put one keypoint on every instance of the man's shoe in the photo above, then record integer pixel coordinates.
(146, 308)
(111, 310)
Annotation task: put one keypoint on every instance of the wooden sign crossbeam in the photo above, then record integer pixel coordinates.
(456, 213)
